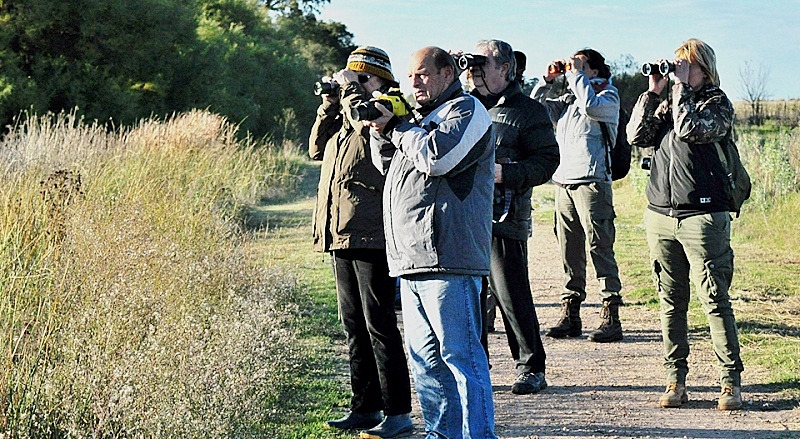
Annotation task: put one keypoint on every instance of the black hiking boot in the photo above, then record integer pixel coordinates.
(611, 328)
(570, 323)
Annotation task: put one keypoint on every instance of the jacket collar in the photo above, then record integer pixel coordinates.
(451, 92)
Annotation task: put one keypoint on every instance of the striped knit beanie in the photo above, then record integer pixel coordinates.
(370, 60)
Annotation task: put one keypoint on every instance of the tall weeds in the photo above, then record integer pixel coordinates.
(126, 306)
(773, 162)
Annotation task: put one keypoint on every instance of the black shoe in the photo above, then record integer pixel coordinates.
(394, 426)
(356, 421)
(528, 383)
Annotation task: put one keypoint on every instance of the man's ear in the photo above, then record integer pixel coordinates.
(448, 71)
(504, 69)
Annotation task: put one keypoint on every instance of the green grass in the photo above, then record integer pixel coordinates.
(319, 391)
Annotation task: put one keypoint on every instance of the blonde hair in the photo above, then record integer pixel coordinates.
(697, 52)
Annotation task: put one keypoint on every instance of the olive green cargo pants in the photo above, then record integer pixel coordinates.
(696, 248)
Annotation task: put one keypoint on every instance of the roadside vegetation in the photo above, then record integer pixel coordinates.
(128, 306)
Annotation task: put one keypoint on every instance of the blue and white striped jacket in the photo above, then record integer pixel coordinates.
(437, 202)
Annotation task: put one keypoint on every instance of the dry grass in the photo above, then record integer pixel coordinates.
(127, 308)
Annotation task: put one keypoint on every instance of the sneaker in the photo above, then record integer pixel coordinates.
(354, 421)
(674, 396)
(528, 383)
(391, 427)
(730, 398)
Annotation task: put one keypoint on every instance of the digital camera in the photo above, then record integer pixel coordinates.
(393, 100)
(326, 87)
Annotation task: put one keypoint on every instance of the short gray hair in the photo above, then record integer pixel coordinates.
(503, 53)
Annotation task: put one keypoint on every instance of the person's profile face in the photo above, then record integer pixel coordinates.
(427, 82)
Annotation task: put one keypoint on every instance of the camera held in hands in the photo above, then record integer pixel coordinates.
(326, 87)
(663, 68)
(393, 100)
(468, 60)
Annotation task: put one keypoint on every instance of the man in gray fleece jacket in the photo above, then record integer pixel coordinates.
(437, 217)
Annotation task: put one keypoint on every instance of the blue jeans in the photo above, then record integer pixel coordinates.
(442, 325)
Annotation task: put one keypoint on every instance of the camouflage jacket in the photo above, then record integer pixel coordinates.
(686, 176)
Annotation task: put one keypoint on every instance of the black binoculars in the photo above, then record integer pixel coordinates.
(468, 60)
(663, 68)
(325, 87)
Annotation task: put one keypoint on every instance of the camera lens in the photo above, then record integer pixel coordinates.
(325, 88)
(646, 162)
(368, 110)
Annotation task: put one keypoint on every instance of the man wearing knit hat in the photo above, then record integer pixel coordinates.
(348, 224)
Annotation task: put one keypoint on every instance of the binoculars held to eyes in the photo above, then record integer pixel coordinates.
(393, 100)
(468, 60)
(558, 67)
(663, 68)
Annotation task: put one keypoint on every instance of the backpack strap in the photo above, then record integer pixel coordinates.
(724, 162)
(609, 146)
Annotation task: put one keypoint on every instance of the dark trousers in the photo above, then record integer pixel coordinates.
(378, 369)
(510, 284)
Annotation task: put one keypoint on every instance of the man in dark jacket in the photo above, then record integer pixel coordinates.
(347, 223)
(526, 155)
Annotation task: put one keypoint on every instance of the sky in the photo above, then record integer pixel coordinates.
(763, 33)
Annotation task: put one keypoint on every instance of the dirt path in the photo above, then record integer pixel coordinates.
(611, 390)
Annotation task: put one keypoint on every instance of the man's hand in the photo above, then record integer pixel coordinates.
(380, 123)
(498, 173)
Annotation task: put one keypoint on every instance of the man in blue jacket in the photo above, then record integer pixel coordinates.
(437, 218)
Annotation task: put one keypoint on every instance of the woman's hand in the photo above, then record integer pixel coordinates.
(657, 81)
(681, 73)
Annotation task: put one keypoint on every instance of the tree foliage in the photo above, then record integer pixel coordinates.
(118, 61)
(626, 76)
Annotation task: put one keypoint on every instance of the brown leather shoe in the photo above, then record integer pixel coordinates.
(730, 398)
(674, 396)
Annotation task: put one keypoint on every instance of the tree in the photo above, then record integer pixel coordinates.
(288, 6)
(753, 81)
(626, 76)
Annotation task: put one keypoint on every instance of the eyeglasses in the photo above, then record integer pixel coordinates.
(364, 78)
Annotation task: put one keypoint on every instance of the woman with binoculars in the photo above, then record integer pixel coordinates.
(687, 220)
(584, 201)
